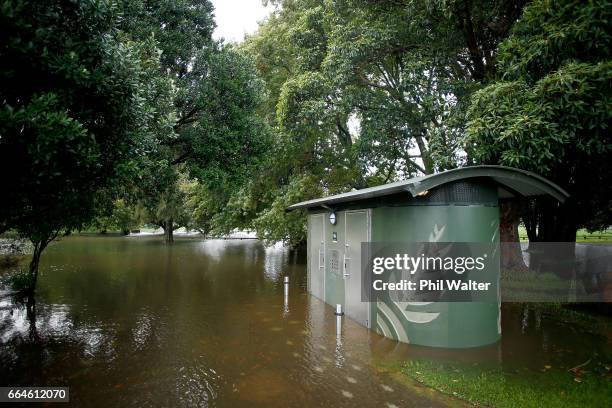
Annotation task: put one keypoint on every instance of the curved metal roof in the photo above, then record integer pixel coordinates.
(511, 181)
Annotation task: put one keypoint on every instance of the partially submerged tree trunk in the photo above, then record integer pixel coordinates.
(168, 227)
(31, 315)
(511, 253)
(548, 221)
(39, 247)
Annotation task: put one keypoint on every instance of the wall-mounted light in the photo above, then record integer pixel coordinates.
(332, 218)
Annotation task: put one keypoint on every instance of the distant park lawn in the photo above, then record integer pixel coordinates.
(581, 236)
(547, 387)
(594, 237)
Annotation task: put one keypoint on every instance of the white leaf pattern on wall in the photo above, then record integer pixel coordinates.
(436, 234)
(417, 317)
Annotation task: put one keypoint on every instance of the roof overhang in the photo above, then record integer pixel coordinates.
(512, 181)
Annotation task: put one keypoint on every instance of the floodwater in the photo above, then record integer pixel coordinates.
(129, 321)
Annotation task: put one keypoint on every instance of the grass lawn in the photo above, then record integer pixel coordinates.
(589, 385)
(550, 387)
(582, 235)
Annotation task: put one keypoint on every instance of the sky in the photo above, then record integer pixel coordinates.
(234, 18)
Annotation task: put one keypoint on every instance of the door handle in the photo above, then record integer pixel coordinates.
(321, 256)
(344, 272)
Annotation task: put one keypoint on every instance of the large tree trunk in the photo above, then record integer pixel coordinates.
(511, 253)
(168, 226)
(547, 220)
(553, 223)
(33, 269)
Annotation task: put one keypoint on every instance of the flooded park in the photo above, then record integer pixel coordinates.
(130, 321)
(314, 203)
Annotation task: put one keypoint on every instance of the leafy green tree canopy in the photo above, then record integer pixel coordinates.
(361, 93)
(72, 106)
(550, 112)
(216, 134)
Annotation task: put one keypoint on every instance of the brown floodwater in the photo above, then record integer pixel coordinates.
(129, 321)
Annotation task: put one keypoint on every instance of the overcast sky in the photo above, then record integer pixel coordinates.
(236, 17)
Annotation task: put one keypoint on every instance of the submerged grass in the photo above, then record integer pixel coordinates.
(18, 281)
(492, 387)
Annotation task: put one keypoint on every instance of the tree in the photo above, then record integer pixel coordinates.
(127, 217)
(163, 195)
(361, 93)
(216, 132)
(118, 215)
(71, 114)
(408, 70)
(550, 113)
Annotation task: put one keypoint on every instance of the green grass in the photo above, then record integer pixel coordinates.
(581, 236)
(530, 286)
(598, 236)
(491, 387)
